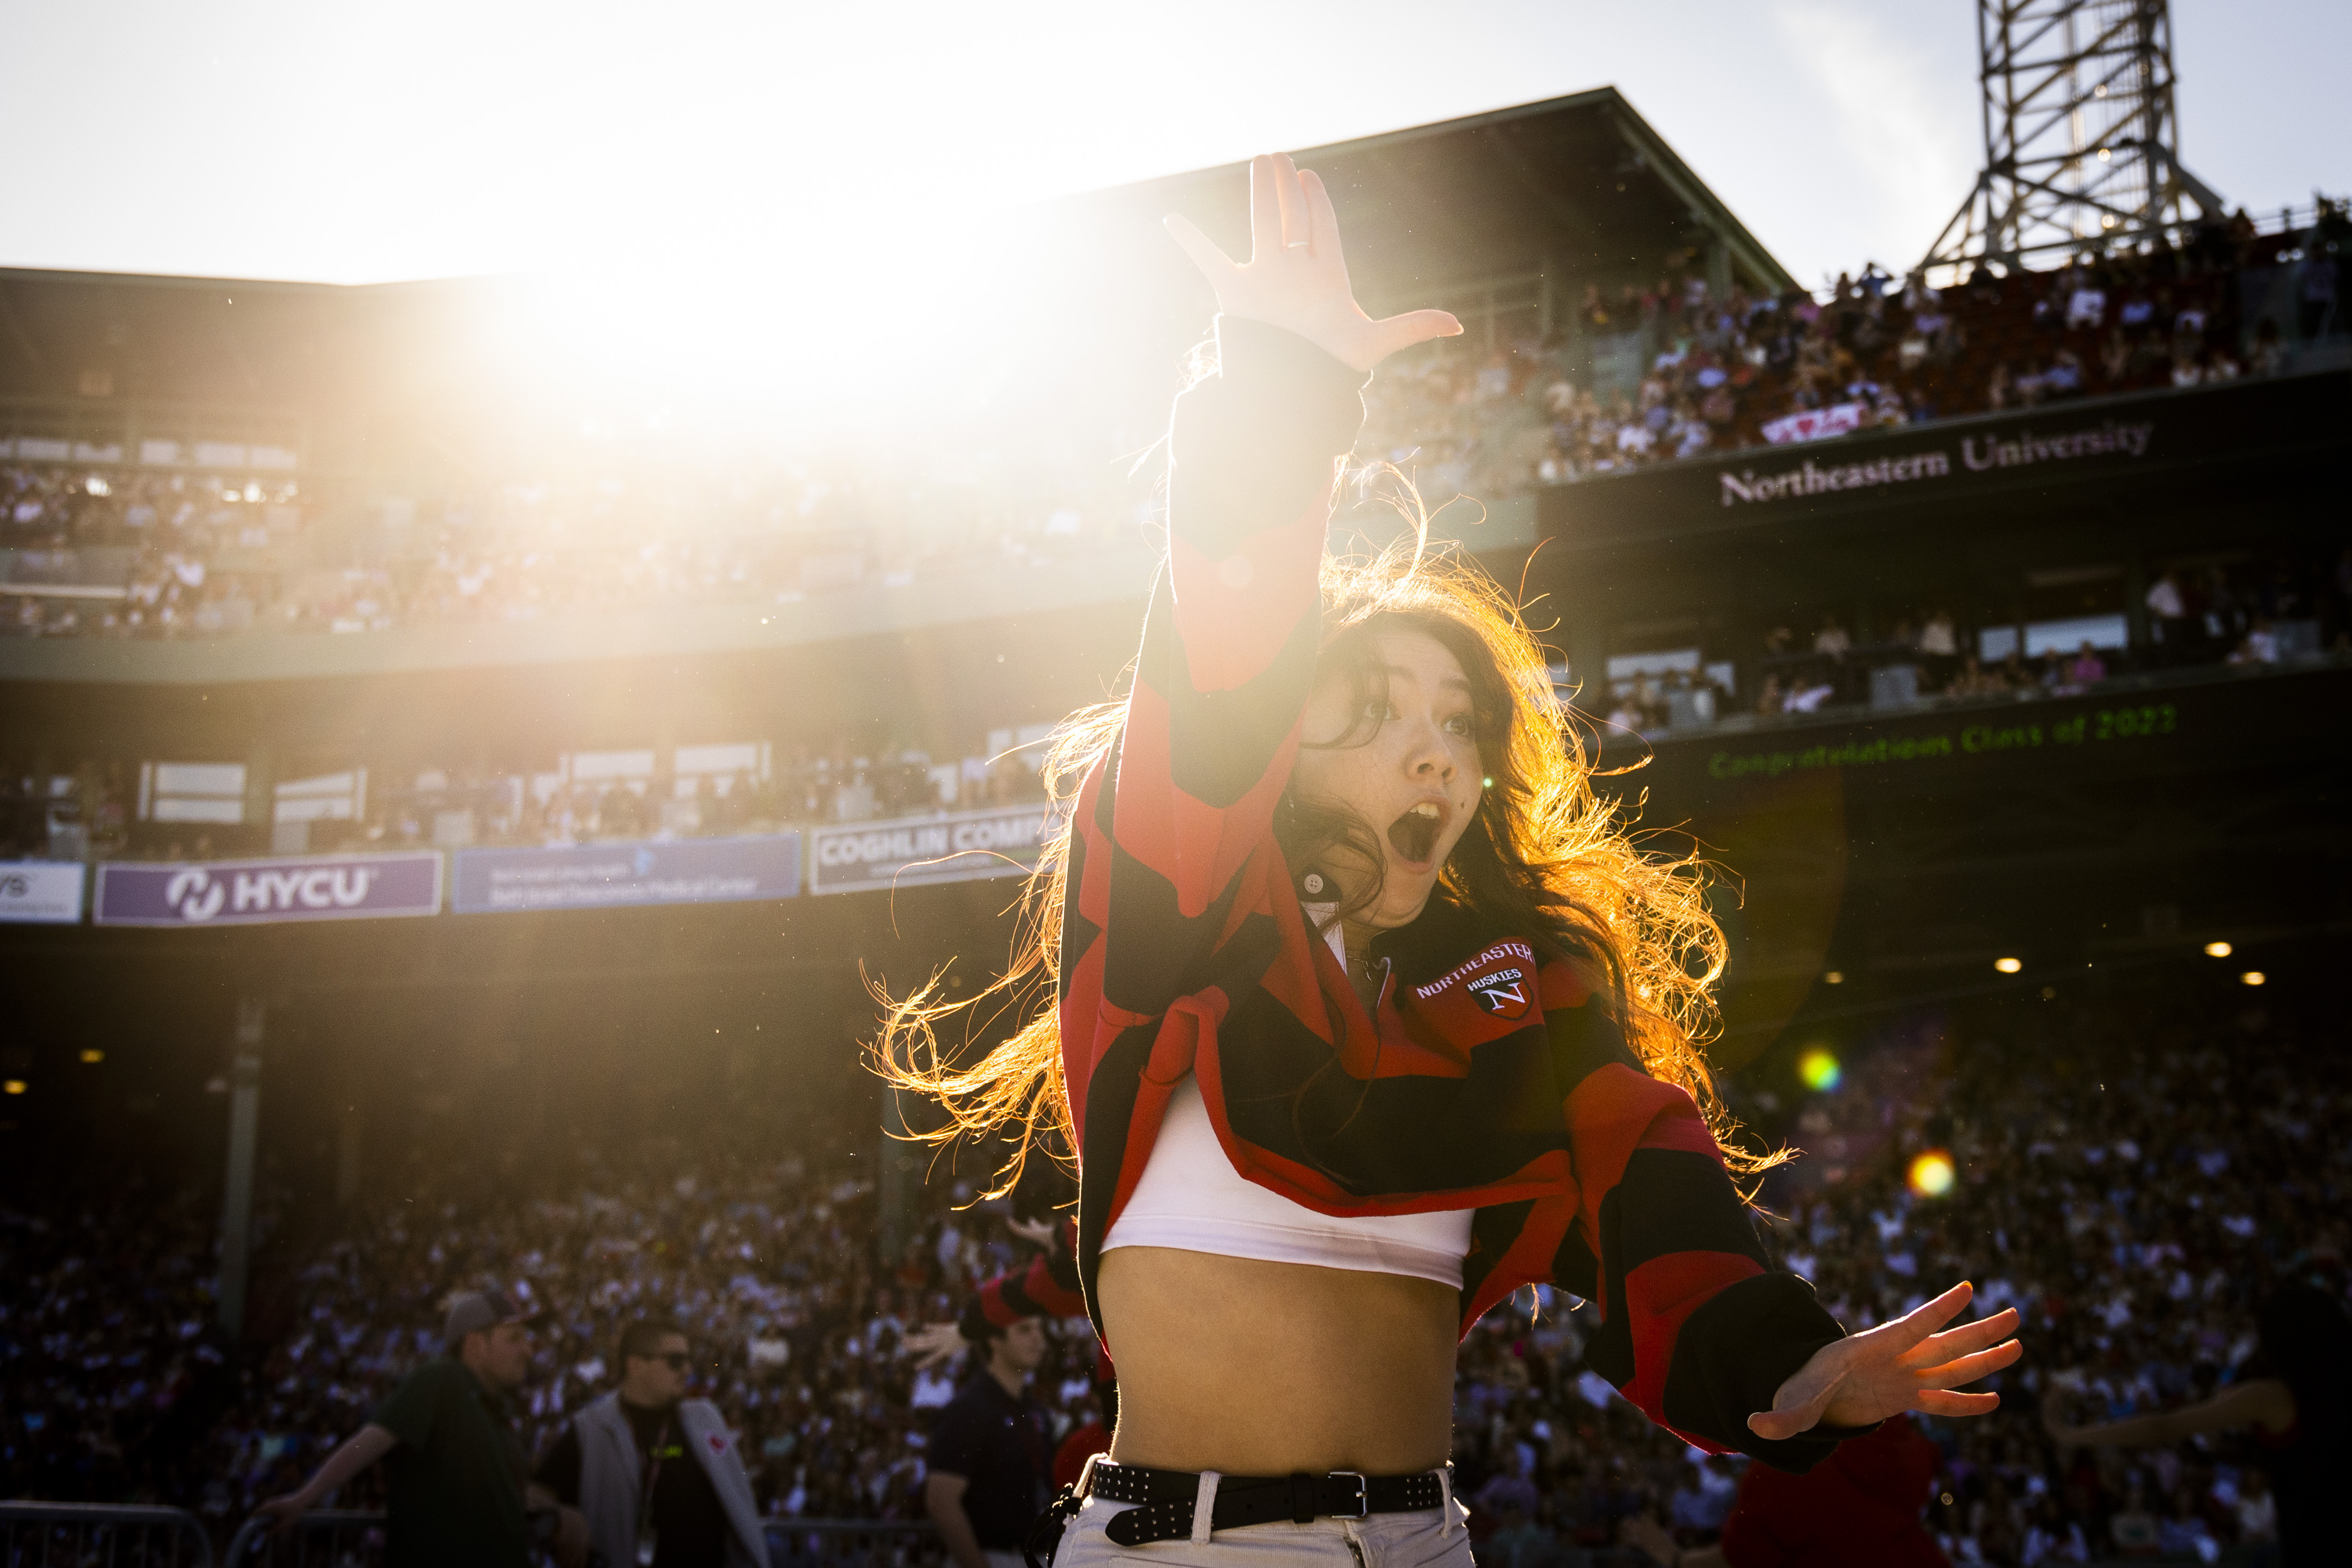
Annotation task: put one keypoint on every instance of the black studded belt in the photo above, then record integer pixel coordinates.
(1165, 1499)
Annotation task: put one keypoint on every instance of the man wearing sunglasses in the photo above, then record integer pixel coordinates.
(655, 1474)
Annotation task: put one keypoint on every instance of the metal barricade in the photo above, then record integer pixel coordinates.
(323, 1537)
(854, 1543)
(69, 1534)
(339, 1538)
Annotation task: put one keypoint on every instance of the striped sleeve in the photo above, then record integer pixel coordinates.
(1695, 1329)
(1227, 660)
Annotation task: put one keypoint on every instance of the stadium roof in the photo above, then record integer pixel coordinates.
(1579, 188)
(1558, 195)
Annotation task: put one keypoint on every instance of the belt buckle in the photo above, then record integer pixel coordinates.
(1363, 1492)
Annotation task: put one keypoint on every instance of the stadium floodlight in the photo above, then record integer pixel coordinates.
(2217, 949)
(2082, 139)
(2009, 965)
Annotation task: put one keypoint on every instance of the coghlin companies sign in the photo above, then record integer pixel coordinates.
(957, 846)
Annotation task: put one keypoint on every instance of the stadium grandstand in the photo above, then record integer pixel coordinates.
(454, 832)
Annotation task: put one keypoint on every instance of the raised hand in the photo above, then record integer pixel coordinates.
(930, 1344)
(1900, 1366)
(1037, 1232)
(1295, 277)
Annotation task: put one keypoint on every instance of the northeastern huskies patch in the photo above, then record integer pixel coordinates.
(1502, 979)
(1507, 993)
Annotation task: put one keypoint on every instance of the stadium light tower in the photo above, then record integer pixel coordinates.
(2082, 140)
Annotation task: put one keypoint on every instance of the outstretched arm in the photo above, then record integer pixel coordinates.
(1047, 1286)
(363, 1448)
(943, 1500)
(1697, 1329)
(1162, 836)
(2264, 1402)
(1900, 1366)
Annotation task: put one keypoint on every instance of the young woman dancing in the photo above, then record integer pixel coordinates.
(1366, 1014)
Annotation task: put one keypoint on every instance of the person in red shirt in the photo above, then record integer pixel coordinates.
(1047, 1286)
(1858, 1509)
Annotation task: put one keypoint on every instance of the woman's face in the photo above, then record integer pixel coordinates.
(1404, 761)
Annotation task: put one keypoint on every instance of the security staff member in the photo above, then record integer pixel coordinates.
(657, 1475)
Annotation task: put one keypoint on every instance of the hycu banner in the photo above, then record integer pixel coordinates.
(41, 892)
(254, 893)
(958, 846)
(606, 876)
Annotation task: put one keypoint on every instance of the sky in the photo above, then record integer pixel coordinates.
(359, 143)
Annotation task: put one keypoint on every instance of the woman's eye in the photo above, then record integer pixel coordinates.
(1462, 724)
(1377, 710)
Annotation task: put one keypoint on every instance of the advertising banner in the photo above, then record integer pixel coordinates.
(956, 846)
(41, 892)
(608, 876)
(260, 891)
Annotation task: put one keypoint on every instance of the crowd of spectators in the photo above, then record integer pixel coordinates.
(92, 807)
(2133, 1170)
(117, 553)
(168, 555)
(2132, 1174)
(806, 786)
(1645, 376)
(2248, 611)
(119, 1385)
(1676, 369)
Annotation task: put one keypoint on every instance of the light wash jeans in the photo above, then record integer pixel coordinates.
(1433, 1538)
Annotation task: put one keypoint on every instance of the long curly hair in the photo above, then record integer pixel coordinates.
(1544, 853)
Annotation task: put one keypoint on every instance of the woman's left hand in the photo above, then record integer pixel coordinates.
(1900, 1366)
(1295, 277)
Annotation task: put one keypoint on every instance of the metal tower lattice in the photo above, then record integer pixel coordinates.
(2082, 142)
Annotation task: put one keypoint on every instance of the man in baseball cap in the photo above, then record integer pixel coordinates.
(455, 1466)
(479, 1311)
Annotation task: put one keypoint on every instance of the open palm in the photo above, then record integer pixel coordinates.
(931, 1344)
(1295, 277)
(1900, 1366)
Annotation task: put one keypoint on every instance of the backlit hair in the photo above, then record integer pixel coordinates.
(1544, 854)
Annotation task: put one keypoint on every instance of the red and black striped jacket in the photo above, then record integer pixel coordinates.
(1487, 1077)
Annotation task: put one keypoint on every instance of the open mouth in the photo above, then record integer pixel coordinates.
(1414, 836)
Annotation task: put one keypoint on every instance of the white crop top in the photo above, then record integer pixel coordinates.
(1191, 1198)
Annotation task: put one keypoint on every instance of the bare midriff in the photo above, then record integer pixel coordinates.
(1252, 1368)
